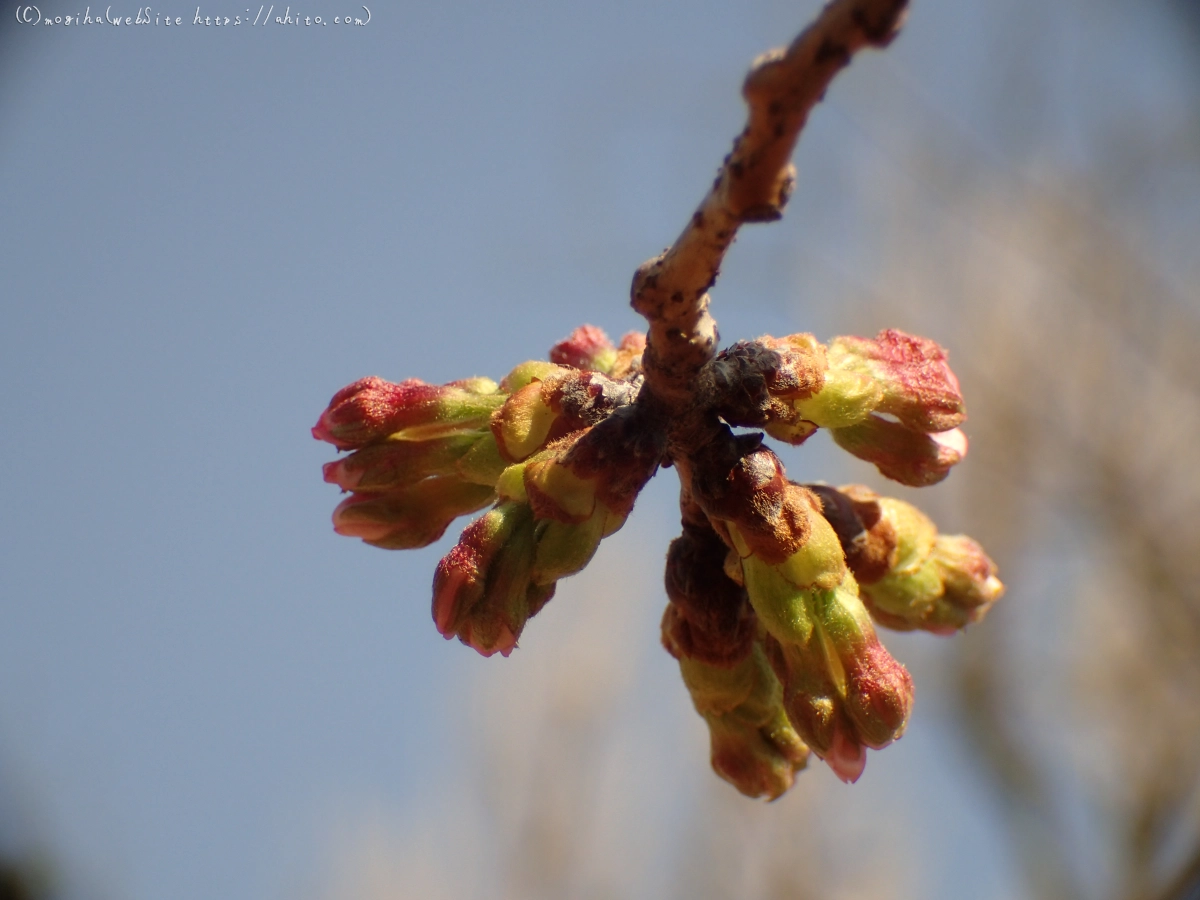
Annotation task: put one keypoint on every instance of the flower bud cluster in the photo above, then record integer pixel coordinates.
(841, 690)
(423, 455)
(774, 587)
(558, 446)
(892, 400)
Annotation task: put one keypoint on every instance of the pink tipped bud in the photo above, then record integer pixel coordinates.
(918, 386)
(843, 691)
(483, 592)
(879, 693)
(587, 347)
(902, 454)
(412, 516)
(371, 409)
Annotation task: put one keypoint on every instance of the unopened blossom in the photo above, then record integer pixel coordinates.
(412, 516)
(371, 409)
(915, 380)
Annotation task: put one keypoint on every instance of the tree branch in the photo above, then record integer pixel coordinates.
(755, 181)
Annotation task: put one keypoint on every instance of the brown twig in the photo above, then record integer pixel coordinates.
(671, 290)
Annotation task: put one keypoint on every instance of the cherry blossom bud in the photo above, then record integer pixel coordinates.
(412, 516)
(554, 510)
(877, 690)
(482, 592)
(902, 454)
(554, 405)
(587, 347)
(754, 746)
(969, 581)
(917, 385)
(936, 583)
(843, 691)
(814, 704)
(372, 409)
(397, 463)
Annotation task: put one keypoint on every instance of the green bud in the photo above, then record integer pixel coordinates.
(528, 372)
(937, 583)
(754, 746)
(846, 398)
(969, 578)
(522, 425)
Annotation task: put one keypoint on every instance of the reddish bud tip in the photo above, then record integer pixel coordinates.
(918, 386)
(587, 347)
(483, 592)
(371, 409)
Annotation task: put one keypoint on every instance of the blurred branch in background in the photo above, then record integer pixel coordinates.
(1078, 354)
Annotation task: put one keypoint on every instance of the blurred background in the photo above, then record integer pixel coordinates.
(208, 230)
